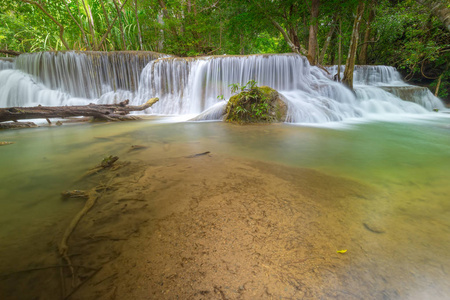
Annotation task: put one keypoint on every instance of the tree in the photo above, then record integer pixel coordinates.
(313, 28)
(365, 44)
(288, 14)
(350, 65)
(439, 8)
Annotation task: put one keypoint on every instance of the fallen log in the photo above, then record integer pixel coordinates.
(109, 112)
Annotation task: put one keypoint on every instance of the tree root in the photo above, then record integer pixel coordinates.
(107, 162)
(63, 247)
(81, 284)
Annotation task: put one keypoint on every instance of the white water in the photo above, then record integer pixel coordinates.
(69, 78)
(188, 86)
(6, 64)
(373, 84)
(191, 86)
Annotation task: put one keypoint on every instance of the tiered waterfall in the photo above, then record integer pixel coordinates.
(190, 86)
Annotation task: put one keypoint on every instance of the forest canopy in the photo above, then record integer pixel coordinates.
(410, 35)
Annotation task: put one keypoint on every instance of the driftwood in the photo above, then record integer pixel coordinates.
(15, 125)
(109, 112)
(107, 162)
(75, 194)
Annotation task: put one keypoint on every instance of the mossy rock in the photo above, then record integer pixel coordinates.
(258, 105)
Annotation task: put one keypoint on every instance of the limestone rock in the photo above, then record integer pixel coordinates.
(258, 105)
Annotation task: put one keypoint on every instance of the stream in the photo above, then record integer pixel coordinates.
(402, 237)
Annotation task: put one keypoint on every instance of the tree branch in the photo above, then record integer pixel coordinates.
(294, 48)
(83, 34)
(109, 28)
(209, 7)
(440, 9)
(61, 27)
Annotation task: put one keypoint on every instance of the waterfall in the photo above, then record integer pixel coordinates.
(189, 86)
(6, 64)
(192, 85)
(66, 78)
(373, 75)
(373, 84)
(418, 94)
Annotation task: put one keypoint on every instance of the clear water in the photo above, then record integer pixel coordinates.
(408, 162)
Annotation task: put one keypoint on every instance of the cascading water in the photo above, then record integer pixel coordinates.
(188, 86)
(67, 78)
(192, 85)
(6, 64)
(378, 87)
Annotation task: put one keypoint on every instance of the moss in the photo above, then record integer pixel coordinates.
(257, 105)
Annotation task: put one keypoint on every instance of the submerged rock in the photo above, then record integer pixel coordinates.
(257, 105)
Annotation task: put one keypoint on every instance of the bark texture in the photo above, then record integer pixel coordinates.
(439, 8)
(313, 28)
(350, 65)
(111, 112)
(327, 42)
(363, 53)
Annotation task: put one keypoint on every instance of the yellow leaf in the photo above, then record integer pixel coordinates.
(341, 251)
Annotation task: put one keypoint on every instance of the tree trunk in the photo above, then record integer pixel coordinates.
(364, 46)
(313, 28)
(295, 48)
(83, 34)
(122, 34)
(167, 16)
(90, 22)
(327, 42)
(105, 111)
(439, 8)
(105, 13)
(350, 65)
(339, 51)
(138, 25)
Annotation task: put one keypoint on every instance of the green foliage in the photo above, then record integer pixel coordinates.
(413, 40)
(249, 87)
(444, 85)
(250, 105)
(403, 34)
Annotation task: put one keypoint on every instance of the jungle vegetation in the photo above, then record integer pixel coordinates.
(413, 36)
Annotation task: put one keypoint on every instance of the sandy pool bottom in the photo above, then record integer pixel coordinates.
(219, 227)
